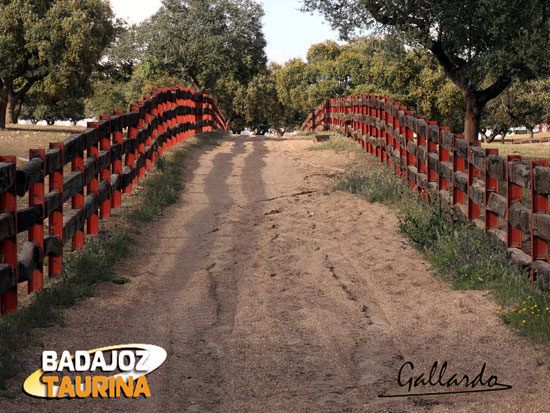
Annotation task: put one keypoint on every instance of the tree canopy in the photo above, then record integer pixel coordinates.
(368, 65)
(203, 40)
(483, 46)
(41, 37)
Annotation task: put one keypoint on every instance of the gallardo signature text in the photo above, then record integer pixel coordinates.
(451, 384)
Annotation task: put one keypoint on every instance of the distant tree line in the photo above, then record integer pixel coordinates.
(67, 59)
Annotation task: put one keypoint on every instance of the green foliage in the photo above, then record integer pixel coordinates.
(255, 105)
(468, 257)
(206, 40)
(161, 189)
(369, 66)
(212, 46)
(292, 83)
(482, 46)
(336, 143)
(123, 76)
(40, 106)
(62, 40)
(522, 104)
(425, 225)
(262, 108)
(111, 93)
(374, 182)
(460, 253)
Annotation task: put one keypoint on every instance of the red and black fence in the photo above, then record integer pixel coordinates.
(106, 160)
(445, 166)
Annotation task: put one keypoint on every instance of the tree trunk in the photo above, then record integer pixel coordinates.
(14, 108)
(531, 133)
(472, 119)
(4, 93)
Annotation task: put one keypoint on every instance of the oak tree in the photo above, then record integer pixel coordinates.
(205, 40)
(40, 37)
(483, 46)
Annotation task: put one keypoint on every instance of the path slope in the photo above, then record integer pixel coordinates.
(271, 295)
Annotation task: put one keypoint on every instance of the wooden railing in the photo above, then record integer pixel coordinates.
(477, 183)
(106, 160)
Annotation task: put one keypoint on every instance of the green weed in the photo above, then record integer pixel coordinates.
(460, 253)
(338, 144)
(161, 189)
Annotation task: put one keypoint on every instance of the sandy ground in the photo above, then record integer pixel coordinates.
(270, 294)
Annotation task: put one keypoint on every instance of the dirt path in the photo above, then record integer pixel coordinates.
(271, 295)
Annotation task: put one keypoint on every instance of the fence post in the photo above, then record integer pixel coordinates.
(157, 133)
(491, 185)
(179, 116)
(140, 154)
(444, 184)
(363, 123)
(474, 209)
(92, 222)
(36, 232)
(77, 165)
(396, 140)
(395, 134)
(55, 264)
(539, 205)
(513, 195)
(376, 129)
(132, 155)
(368, 127)
(411, 157)
(342, 114)
(359, 117)
(8, 247)
(433, 157)
(150, 132)
(388, 119)
(327, 119)
(421, 127)
(459, 168)
(199, 114)
(173, 118)
(401, 137)
(116, 127)
(105, 175)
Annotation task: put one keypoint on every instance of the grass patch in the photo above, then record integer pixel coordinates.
(375, 182)
(121, 280)
(529, 152)
(306, 133)
(162, 188)
(460, 253)
(338, 144)
(82, 270)
(94, 263)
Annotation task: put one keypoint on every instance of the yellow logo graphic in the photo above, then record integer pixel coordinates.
(133, 361)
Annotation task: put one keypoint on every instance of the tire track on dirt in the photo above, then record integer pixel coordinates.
(270, 296)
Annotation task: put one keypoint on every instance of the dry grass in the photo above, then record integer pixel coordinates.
(529, 151)
(18, 139)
